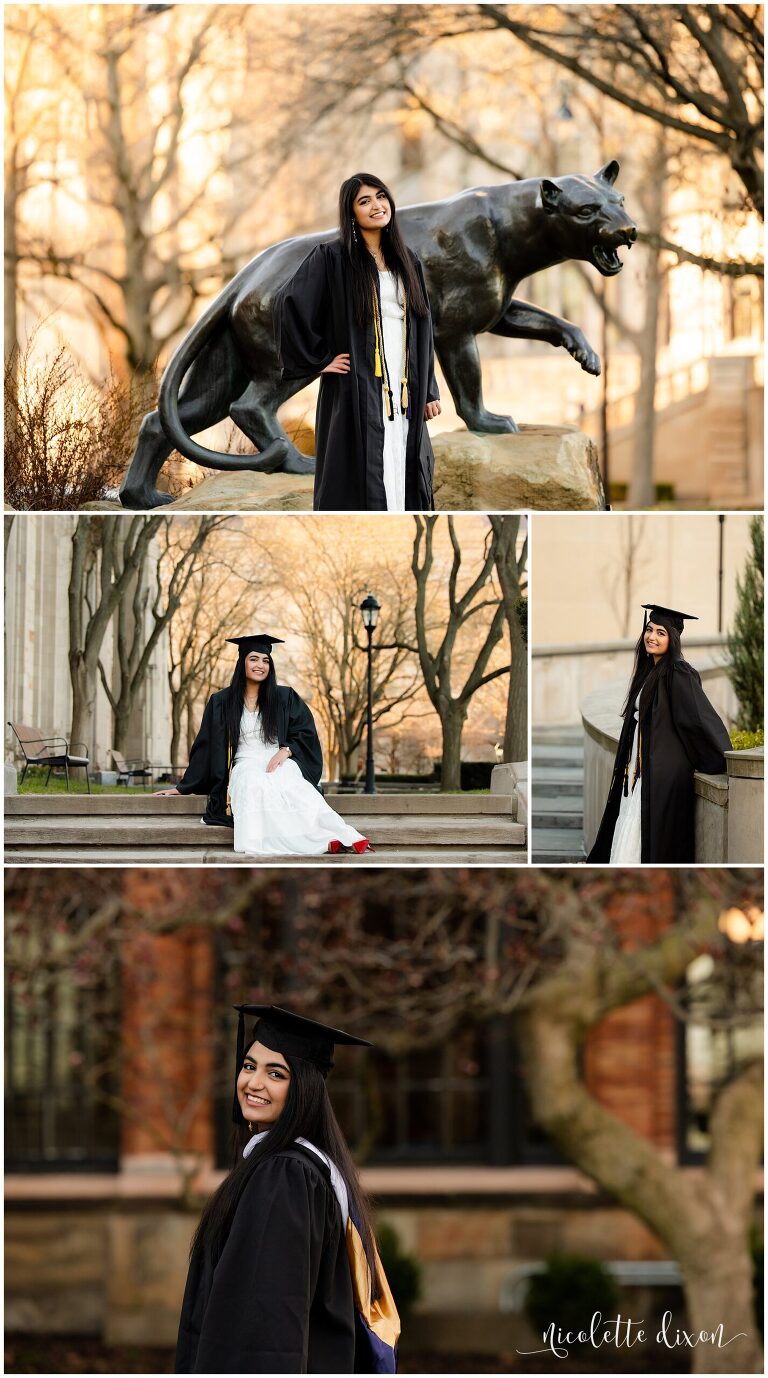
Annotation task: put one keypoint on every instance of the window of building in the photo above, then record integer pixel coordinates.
(744, 309)
(711, 1047)
(61, 1074)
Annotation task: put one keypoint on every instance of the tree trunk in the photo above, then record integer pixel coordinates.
(516, 726)
(11, 286)
(177, 708)
(452, 722)
(83, 682)
(703, 1223)
(642, 492)
(718, 1287)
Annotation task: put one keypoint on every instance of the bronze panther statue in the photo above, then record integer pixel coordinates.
(475, 247)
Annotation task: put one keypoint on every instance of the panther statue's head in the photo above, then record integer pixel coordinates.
(588, 219)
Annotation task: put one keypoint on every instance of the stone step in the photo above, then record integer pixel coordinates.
(557, 813)
(557, 755)
(192, 805)
(544, 858)
(556, 844)
(219, 856)
(557, 820)
(545, 775)
(570, 734)
(87, 832)
(556, 789)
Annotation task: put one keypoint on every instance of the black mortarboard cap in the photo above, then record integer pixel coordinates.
(659, 614)
(289, 1034)
(263, 642)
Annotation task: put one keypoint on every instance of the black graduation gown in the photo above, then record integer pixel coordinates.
(208, 769)
(314, 321)
(681, 733)
(280, 1298)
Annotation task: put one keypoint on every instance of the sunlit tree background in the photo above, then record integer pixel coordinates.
(116, 631)
(152, 150)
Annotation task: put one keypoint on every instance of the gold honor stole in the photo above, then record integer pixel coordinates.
(377, 1325)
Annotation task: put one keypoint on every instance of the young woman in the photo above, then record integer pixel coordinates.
(284, 1275)
(670, 730)
(257, 756)
(356, 313)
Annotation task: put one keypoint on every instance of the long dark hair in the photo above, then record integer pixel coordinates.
(268, 705)
(647, 673)
(308, 1114)
(363, 270)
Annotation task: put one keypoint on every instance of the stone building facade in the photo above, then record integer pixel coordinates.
(38, 688)
(98, 1231)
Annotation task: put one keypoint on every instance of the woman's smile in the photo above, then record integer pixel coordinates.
(372, 208)
(256, 667)
(262, 1086)
(656, 640)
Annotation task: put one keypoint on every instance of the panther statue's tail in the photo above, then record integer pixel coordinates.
(210, 331)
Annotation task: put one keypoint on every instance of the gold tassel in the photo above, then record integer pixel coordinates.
(404, 396)
(377, 363)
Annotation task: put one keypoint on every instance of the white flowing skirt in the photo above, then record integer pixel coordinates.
(281, 814)
(627, 844)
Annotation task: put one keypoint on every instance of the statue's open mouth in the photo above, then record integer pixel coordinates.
(607, 260)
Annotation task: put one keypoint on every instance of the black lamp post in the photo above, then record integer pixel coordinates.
(370, 608)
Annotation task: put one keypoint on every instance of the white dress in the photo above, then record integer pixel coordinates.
(395, 432)
(627, 844)
(280, 814)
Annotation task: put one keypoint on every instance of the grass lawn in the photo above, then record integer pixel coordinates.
(35, 784)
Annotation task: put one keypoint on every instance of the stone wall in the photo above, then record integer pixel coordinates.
(116, 1270)
(564, 675)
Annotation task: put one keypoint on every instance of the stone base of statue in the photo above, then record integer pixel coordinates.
(546, 468)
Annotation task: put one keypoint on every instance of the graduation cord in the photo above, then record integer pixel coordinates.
(380, 366)
(638, 767)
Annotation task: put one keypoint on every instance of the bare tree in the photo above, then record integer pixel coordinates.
(106, 557)
(141, 280)
(324, 594)
(511, 573)
(692, 69)
(145, 611)
(439, 666)
(621, 577)
(218, 601)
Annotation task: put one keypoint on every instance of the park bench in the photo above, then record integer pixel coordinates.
(53, 752)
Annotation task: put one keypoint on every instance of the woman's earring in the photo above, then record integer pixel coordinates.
(354, 231)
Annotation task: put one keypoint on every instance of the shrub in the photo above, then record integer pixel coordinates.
(568, 1292)
(745, 642)
(402, 1269)
(66, 442)
(742, 741)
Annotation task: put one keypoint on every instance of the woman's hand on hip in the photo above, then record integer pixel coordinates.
(432, 410)
(277, 760)
(160, 793)
(340, 364)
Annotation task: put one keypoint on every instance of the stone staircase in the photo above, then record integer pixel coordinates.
(139, 829)
(558, 795)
